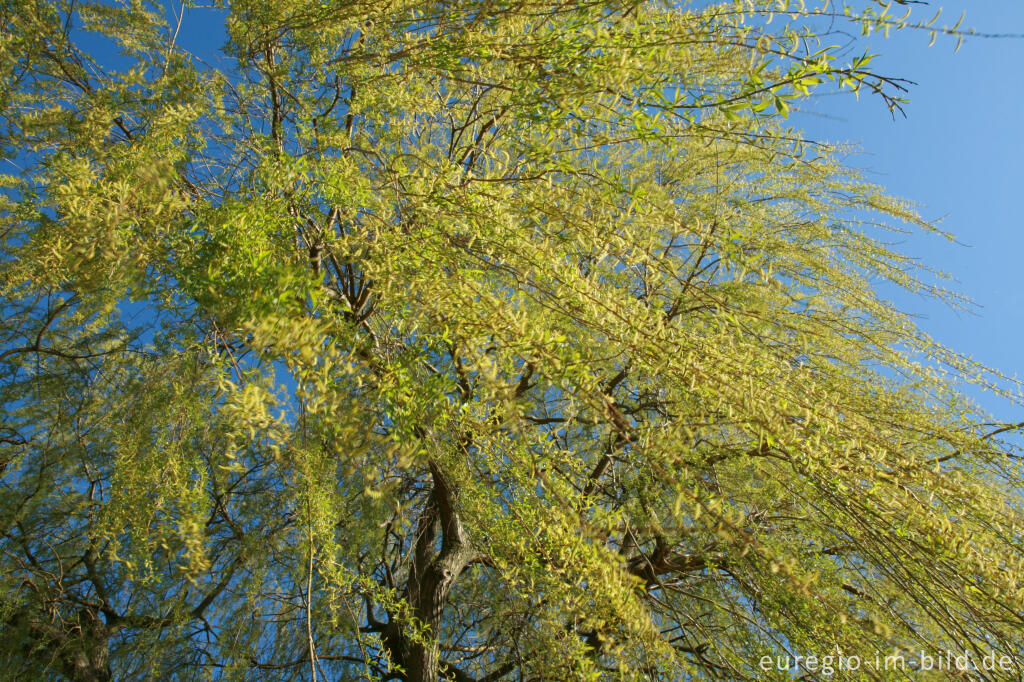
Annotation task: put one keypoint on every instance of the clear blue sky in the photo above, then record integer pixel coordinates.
(960, 154)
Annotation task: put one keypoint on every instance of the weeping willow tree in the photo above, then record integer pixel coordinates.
(474, 340)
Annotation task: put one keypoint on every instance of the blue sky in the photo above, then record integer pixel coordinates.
(960, 154)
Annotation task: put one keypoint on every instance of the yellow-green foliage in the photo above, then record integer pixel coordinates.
(472, 340)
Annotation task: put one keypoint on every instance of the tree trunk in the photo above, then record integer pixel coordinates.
(431, 577)
(79, 650)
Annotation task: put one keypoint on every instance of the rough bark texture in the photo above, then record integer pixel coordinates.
(431, 577)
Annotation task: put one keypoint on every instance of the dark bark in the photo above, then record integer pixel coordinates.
(432, 575)
(78, 648)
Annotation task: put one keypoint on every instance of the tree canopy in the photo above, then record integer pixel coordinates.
(474, 340)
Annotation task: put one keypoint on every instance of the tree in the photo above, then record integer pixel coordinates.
(472, 340)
